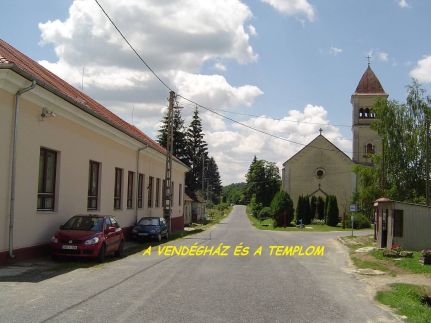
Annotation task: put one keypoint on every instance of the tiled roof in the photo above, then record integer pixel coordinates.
(369, 83)
(29, 68)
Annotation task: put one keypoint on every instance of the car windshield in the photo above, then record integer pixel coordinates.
(148, 222)
(84, 223)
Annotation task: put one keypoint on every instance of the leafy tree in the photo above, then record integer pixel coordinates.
(179, 136)
(332, 211)
(234, 193)
(263, 181)
(398, 172)
(282, 209)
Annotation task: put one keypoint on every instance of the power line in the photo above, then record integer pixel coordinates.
(256, 129)
(197, 104)
(132, 48)
(283, 119)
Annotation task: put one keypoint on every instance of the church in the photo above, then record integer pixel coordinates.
(320, 168)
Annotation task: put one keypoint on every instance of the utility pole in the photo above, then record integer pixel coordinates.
(167, 211)
(427, 164)
(382, 179)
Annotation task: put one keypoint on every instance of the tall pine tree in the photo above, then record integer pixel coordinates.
(197, 152)
(179, 134)
(213, 182)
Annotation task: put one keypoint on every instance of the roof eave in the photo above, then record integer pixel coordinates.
(79, 105)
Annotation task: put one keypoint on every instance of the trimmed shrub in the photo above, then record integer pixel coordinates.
(282, 209)
(332, 211)
(320, 206)
(266, 212)
(360, 221)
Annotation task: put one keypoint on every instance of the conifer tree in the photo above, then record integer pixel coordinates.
(197, 153)
(213, 181)
(179, 136)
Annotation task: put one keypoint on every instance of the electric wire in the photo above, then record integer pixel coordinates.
(200, 105)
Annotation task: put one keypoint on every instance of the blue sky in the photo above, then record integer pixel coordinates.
(291, 59)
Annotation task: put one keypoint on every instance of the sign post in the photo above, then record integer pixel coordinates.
(353, 208)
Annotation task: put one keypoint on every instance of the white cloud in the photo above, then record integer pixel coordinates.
(335, 51)
(293, 7)
(382, 56)
(403, 3)
(234, 146)
(210, 31)
(252, 30)
(422, 70)
(214, 90)
(219, 66)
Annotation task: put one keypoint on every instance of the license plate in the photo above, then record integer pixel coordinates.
(69, 247)
(143, 234)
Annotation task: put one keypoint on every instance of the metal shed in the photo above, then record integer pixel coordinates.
(402, 224)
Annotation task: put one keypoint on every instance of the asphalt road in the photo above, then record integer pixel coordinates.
(204, 289)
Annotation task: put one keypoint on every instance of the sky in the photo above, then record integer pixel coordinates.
(286, 67)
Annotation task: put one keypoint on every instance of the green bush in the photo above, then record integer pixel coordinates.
(221, 206)
(360, 221)
(332, 211)
(282, 209)
(255, 206)
(303, 210)
(266, 212)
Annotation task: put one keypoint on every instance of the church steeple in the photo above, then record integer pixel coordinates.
(365, 140)
(369, 83)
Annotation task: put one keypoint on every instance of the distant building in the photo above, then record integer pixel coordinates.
(320, 168)
(73, 156)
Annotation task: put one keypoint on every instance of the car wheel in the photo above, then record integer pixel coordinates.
(159, 237)
(102, 253)
(119, 253)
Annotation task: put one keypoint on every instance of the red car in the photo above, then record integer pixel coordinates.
(88, 236)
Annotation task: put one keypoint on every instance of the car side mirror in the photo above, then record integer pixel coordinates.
(112, 229)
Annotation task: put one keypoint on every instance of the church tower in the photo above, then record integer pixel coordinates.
(365, 140)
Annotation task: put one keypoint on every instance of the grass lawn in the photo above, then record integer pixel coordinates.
(376, 260)
(406, 299)
(268, 224)
(409, 264)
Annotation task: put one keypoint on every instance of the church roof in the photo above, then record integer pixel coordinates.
(313, 145)
(369, 83)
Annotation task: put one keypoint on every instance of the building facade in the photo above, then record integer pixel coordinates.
(72, 156)
(321, 169)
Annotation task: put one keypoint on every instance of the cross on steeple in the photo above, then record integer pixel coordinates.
(369, 60)
(320, 130)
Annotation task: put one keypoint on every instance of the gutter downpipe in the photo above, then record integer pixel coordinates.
(137, 183)
(13, 166)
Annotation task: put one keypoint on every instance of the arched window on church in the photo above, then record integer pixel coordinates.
(367, 113)
(369, 149)
(372, 114)
(361, 113)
